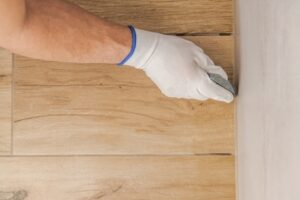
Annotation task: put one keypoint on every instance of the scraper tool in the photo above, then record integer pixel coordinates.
(218, 79)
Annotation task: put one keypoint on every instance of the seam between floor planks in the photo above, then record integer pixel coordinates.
(123, 155)
(5, 101)
(12, 104)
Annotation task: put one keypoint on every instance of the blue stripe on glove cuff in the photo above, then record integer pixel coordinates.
(133, 46)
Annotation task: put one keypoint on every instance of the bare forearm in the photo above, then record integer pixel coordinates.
(12, 15)
(59, 31)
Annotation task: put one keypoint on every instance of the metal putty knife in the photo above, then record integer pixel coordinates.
(218, 79)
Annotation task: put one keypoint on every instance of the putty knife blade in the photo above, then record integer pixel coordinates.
(218, 79)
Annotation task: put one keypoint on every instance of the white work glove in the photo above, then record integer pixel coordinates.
(177, 66)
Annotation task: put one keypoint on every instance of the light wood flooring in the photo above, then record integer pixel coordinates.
(89, 132)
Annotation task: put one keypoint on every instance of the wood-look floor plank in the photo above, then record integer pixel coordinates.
(168, 16)
(114, 178)
(5, 101)
(34, 72)
(101, 109)
(112, 120)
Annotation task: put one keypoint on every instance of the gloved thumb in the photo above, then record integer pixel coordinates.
(216, 92)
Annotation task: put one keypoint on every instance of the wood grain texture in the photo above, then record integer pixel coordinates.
(34, 72)
(5, 101)
(84, 111)
(117, 120)
(167, 16)
(101, 109)
(114, 178)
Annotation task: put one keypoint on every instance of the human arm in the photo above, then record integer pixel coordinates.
(59, 31)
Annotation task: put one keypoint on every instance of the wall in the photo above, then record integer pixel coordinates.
(268, 106)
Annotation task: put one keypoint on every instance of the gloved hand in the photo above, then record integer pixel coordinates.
(177, 66)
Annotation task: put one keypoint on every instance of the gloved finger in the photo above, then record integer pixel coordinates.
(202, 59)
(216, 92)
(208, 65)
(196, 94)
(216, 70)
(190, 94)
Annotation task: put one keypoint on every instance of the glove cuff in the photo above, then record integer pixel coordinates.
(133, 46)
(143, 45)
